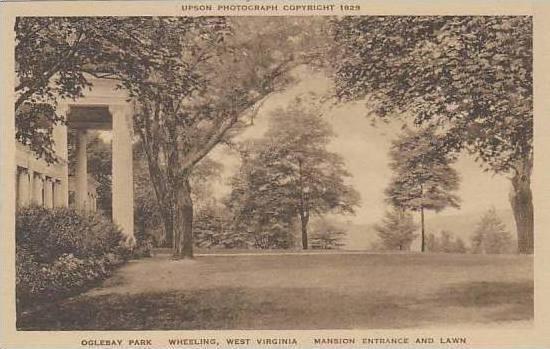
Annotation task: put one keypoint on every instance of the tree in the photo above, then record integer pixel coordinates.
(491, 235)
(470, 75)
(423, 178)
(396, 232)
(291, 173)
(327, 235)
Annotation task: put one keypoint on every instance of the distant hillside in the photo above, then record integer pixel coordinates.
(361, 236)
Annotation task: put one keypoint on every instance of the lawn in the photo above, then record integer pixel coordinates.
(296, 291)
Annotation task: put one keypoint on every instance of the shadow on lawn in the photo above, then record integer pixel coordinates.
(479, 294)
(222, 308)
(512, 300)
(284, 308)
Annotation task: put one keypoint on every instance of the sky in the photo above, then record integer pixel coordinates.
(365, 150)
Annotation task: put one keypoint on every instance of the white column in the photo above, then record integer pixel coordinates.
(48, 192)
(123, 180)
(61, 185)
(30, 200)
(58, 197)
(81, 171)
(23, 190)
(37, 186)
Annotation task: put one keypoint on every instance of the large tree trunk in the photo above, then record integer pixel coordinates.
(183, 222)
(304, 219)
(166, 217)
(521, 199)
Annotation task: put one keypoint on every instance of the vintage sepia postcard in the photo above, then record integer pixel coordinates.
(284, 174)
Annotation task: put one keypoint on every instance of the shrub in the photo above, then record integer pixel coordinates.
(61, 252)
(48, 234)
(143, 248)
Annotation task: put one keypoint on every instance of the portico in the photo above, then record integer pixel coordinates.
(82, 118)
(102, 108)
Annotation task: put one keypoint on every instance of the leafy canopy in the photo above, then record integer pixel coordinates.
(472, 75)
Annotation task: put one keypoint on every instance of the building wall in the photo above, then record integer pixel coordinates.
(38, 182)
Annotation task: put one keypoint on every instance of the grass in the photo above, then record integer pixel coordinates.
(320, 291)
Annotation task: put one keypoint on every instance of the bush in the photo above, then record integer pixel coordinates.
(50, 233)
(61, 252)
(143, 248)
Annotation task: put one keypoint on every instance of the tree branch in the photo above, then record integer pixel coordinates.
(219, 133)
(47, 75)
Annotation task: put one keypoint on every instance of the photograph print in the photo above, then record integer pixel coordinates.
(281, 173)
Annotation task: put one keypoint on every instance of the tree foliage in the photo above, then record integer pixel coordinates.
(423, 176)
(470, 75)
(474, 71)
(397, 230)
(263, 213)
(213, 228)
(47, 66)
